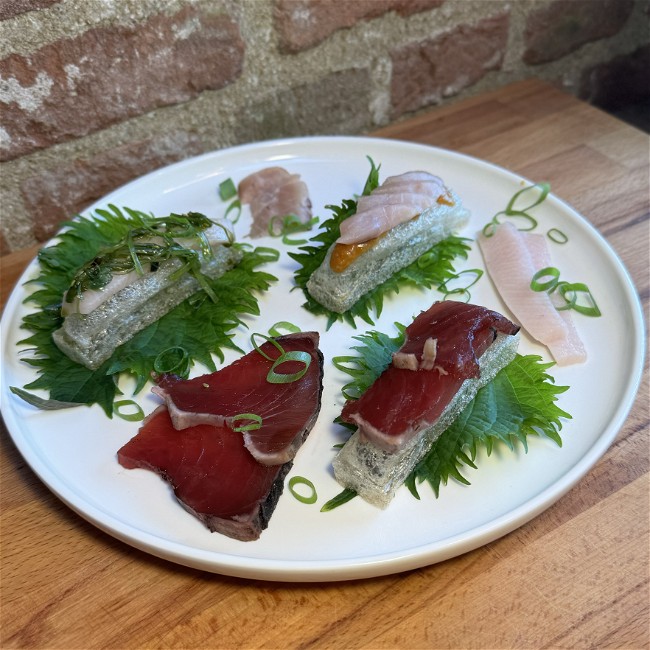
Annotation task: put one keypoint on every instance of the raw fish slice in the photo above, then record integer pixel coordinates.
(212, 474)
(384, 215)
(372, 201)
(570, 349)
(512, 258)
(259, 182)
(287, 410)
(91, 299)
(274, 192)
(404, 401)
(413, 177)
(375, 222)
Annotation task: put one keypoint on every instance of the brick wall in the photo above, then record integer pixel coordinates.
(94, 93)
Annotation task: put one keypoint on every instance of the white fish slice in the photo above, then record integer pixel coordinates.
(512, 257)
(394, 202)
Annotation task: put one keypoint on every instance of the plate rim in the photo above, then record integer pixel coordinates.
(385, 563)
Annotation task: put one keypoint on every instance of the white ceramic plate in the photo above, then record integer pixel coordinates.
(73, 451)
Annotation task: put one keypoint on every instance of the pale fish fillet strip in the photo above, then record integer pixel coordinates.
(512, 258)
(571, 349)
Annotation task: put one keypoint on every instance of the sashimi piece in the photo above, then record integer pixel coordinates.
(512, 257)
(382, 210)
(287, 410)
(212, 474)
(274, 192)
(440, 352)
(91, 299)
(419, 200)
(570, 349)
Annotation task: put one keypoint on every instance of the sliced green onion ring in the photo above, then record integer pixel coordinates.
(268, 339)
(551, 272)
(274, 330)
(312, 497)
(557, 236)
(574, 290)
(444, 288)
(428, 259)
(227, 189)
(489, 227)
(451, 295)
(135, 416)
(275, 377)
(544, 188)
(290, 224)
(173, 360)
(516, 214)
(235, 205)
(272, 254)
(339, 364)
(256, 422)
(519, 213)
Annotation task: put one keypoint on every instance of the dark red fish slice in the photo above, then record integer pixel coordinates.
(212, 474)
(403, 401)
(287, 410)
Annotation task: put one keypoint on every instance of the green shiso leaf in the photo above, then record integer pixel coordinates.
(519, 402)
(199, 325)
(430, 270)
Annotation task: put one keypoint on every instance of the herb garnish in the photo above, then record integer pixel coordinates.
(197, 328)
(148, 242)
(518, 402)
(431, 269)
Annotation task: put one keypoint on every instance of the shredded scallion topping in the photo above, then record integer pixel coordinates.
(145, 246)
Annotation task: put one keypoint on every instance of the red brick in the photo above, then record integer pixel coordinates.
(565, 25)
(425, 72)
(12, 8)
(323, 105)
(76, 86)
(301, 24)
(59, 193)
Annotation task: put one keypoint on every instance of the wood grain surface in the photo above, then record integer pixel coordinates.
(575, 576)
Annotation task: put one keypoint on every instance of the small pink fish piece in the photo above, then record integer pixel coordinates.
(274, 192)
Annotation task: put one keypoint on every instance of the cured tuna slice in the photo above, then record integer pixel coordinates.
(512, 258)
(397, 200)
(287, 410)
(212, 474)
(274, 192)
(440, 352)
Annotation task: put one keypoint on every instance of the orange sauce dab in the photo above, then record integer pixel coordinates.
(344, 254)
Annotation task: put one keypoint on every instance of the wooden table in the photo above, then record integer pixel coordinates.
(576, 576)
